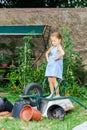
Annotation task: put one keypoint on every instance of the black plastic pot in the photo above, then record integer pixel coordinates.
(55, 112)
(1, 104)
(18, 107)
(8, 106)
(5, 105)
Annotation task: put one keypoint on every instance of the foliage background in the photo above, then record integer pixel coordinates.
(43, 3)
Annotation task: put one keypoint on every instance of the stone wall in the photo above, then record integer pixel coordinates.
(73, 19)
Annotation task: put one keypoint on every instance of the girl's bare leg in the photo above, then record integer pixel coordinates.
(51, 85)
(56, 85)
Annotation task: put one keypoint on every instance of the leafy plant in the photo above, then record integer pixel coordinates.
(5, 59)
(73, 71)
(4, 46)
(4, 53)
(72, 61)
(22, 75)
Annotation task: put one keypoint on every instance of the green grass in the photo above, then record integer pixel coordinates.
(72, 118)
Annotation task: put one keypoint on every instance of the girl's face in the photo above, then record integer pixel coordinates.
(55, 41)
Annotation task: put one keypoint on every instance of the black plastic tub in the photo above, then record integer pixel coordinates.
(19, 104)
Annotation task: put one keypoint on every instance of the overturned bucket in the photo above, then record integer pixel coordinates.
(29, 113)
(55, 112)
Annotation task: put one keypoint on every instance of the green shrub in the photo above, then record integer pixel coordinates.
(22, 74)
(73, 72)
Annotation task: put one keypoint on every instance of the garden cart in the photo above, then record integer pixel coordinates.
(53, 107)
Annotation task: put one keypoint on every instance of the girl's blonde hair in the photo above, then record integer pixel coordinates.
(57, 35)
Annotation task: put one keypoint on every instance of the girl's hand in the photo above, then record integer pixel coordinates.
(47, 59)
(61, 53)
(55, 59)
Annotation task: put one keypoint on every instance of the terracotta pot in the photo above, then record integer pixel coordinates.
(36, 114)
(29, 113)
(4, 65)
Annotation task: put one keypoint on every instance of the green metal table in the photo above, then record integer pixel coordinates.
(34, 30)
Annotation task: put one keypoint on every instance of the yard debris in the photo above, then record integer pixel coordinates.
(3, 129)
(6, 114)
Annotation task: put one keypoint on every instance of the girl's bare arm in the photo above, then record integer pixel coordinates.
(47, 53)
(61, 53)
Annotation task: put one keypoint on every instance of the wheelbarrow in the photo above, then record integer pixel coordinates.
(53, 107)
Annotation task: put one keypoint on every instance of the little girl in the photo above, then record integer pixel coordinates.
(54, 57)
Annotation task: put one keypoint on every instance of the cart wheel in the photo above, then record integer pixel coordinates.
(56, 112)
(34, 91)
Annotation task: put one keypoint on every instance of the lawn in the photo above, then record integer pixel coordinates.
(72, 118)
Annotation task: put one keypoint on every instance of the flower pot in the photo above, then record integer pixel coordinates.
(36, 114)
(4, 65)
(18, 107)
(29, 113)
(55, 112)
(8, 106)
(1, 104)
